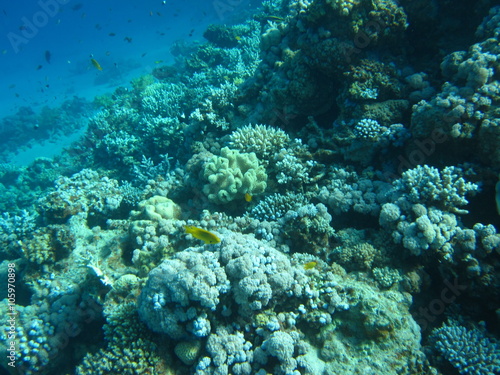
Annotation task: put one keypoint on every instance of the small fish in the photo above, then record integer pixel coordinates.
(112, 34)
(248, 197)
(96, 64)
(202, 234)
(39, 67)
(238, 38)
(310, 265)
(276, 18)
(158, 61)
(128, 39)
(48, 55)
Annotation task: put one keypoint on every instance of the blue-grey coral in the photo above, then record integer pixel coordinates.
(470, 351)
(264, 140)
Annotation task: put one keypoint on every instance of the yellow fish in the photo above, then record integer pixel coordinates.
(276, 18)
(248, 197)
(96, 64)
(202, 234)
(310, 265)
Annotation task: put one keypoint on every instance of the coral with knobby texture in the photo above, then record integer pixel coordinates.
(264, 140)
(85, 192)
(348, 191)
(157, 208)
(232, 175)
(229, 353)
(466, 107)
(421, 228)
(307, 228)
(130, 349)
(470, 351)
(180, 292)
(277, 205)
(163, 99)
(445, 189)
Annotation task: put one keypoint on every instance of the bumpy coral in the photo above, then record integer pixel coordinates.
(466, 106)
(263, 140)
(180, 292)
(130, 348)
(194, 295)
(157, 208)
(470, 351)
(347, 191)
(445, 189)
(85, 192)
(232, 175)
(277, 205)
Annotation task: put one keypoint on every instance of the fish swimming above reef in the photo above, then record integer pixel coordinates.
(202, 234)
(96, 64)
(310, 265)
(48, 56)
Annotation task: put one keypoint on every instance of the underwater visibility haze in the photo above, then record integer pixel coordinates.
(243, 187)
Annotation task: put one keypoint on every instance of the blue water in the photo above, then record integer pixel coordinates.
(72, 31)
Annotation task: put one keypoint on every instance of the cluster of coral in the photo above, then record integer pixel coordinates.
(347, 192)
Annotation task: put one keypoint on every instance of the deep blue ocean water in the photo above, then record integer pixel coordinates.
(47, 46)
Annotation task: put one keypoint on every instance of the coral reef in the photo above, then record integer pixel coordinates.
(232, 175)
(470, 351)
(344, 167)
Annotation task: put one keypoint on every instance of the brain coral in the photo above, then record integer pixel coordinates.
(232, 175)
